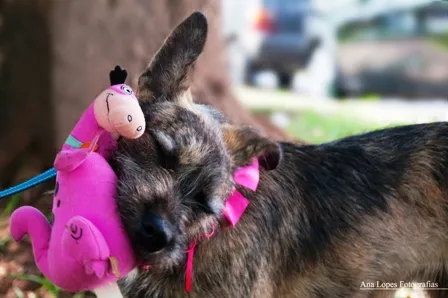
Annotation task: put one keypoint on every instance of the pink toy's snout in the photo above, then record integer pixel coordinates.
(117, 111)
(128, 121)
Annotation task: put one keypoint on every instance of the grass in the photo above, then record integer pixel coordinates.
(4, 244)
(40, 280)
(370, 97)
(319, 128)
(441, 41)
(11, 206)
(44, 282)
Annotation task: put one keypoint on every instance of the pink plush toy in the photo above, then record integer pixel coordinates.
(86, 248)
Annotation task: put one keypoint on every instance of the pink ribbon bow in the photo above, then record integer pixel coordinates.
(234, 208)
(236, 204)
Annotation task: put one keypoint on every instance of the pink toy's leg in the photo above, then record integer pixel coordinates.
(29, 220)
(85, 243)
(68, 160)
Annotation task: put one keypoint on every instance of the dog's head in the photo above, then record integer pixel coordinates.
(175, 179)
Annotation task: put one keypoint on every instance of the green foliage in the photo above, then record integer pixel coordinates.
(44, 282)
(4, 244)
(39, 280)
(318, 128)
(370, 97)
(19, 293)
(441, 40)
(11, 206)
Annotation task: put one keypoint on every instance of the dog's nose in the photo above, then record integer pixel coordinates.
(155, 231)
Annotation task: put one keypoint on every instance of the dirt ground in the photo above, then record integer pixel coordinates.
(19, 276)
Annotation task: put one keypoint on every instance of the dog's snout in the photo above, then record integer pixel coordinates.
(155, 232)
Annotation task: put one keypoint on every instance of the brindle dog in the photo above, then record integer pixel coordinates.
(324, 221)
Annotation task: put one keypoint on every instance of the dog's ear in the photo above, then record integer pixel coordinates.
(167, 74)
(245, 143)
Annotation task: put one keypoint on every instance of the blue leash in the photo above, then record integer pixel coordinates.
(47, 175)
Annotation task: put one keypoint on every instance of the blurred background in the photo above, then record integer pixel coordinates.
(307, 71)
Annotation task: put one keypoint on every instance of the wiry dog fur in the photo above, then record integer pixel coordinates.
(325, 218)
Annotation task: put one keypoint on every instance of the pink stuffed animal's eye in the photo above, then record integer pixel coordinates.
(126, 89)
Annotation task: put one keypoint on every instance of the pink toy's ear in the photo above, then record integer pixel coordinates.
(68, 160)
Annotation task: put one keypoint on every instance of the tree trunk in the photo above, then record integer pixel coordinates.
(88, 42)
(57, 54)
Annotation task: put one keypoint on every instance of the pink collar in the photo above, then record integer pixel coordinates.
(234, 208)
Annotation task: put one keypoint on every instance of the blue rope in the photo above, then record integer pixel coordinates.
(47, 175)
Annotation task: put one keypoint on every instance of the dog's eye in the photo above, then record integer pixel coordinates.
(167, 150)
(201, 198)
(202, 202)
